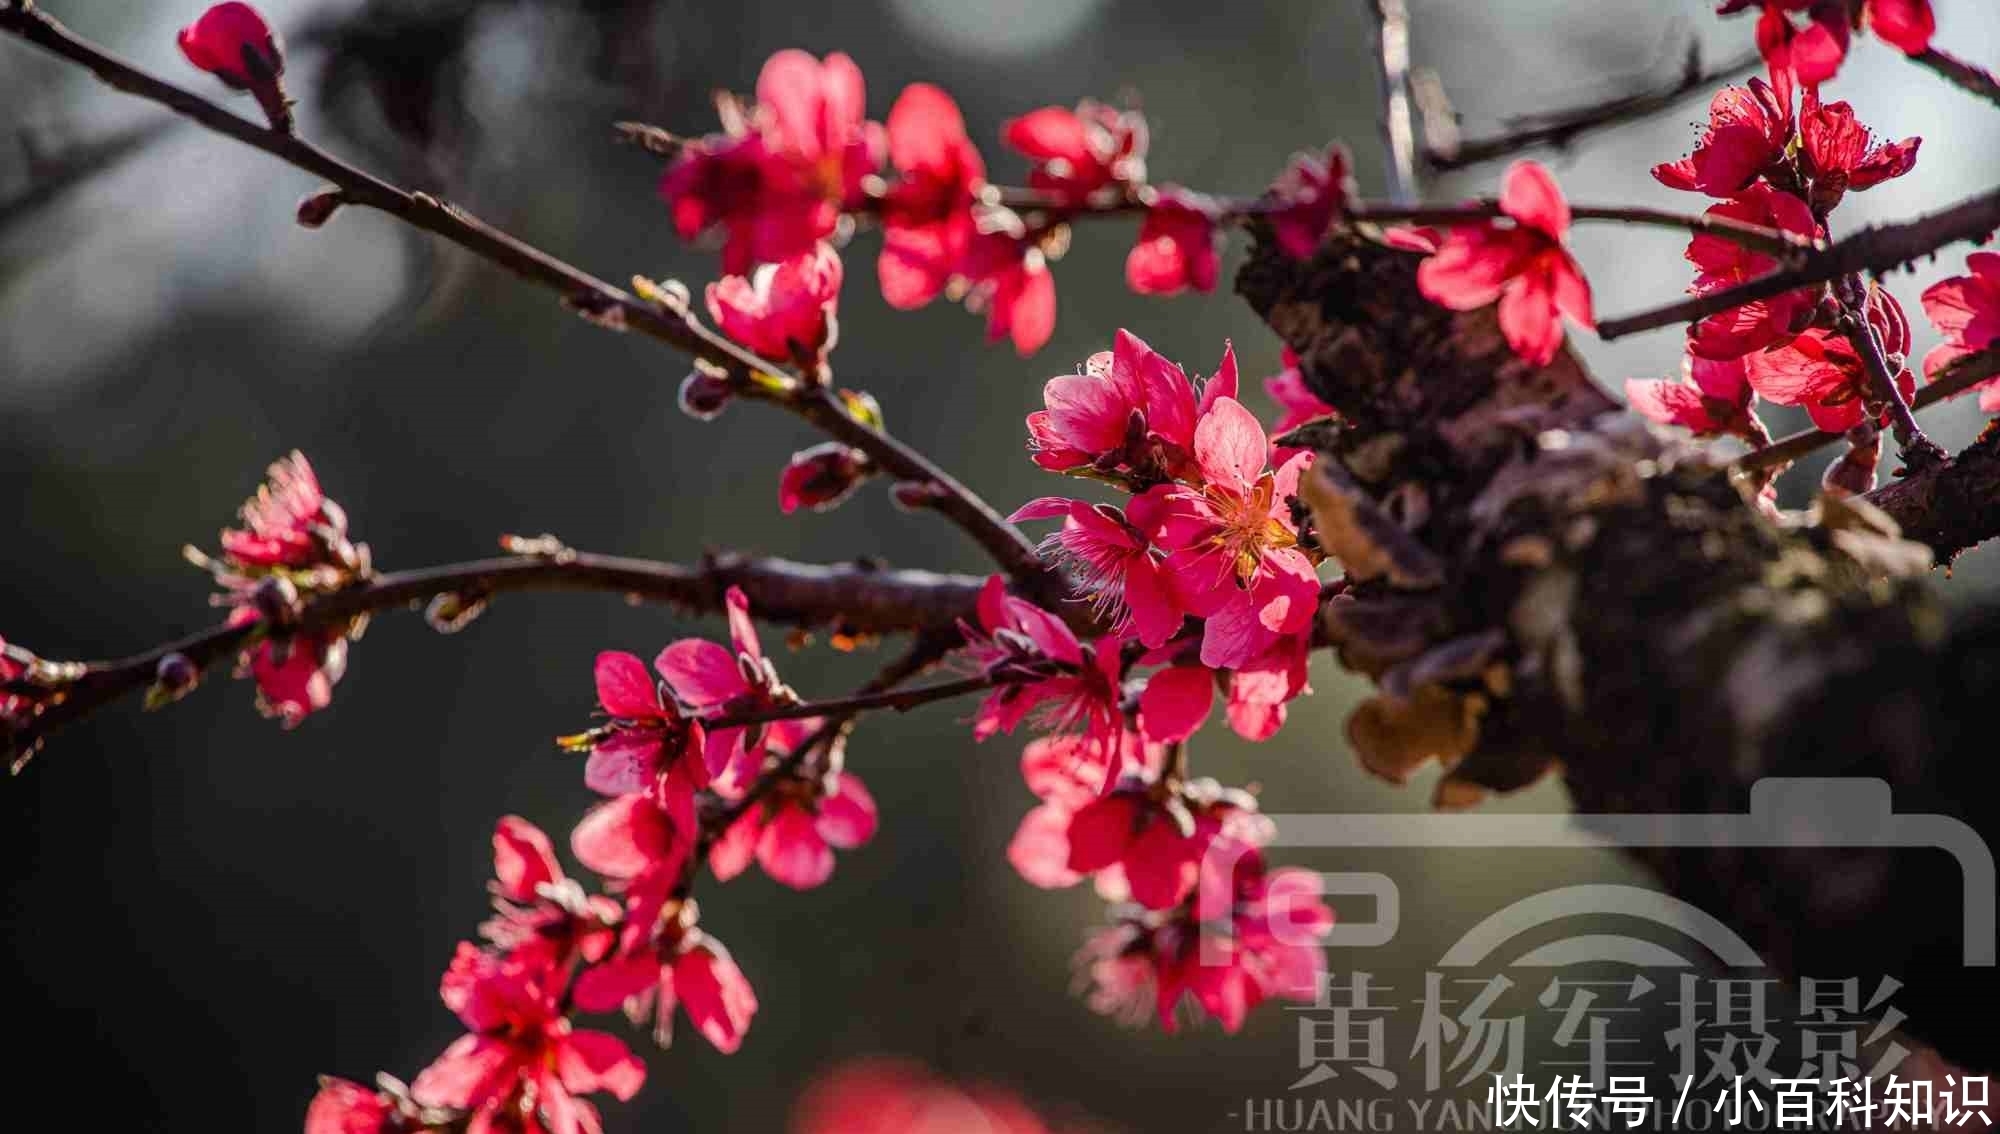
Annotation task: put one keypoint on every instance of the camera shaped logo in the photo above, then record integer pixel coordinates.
(1784, 813)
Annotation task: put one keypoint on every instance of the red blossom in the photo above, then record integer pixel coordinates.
(1308, 197)
(1838, 154)
(691, 971)
(1259, 689)
(783, 312)
(14, 708)
(542, 918)
(792, 832)
(1295, 399)
(1819, 369)
(1721, 264)
(641, 844)
(1710, 398)
(522, 1054)
(1749, 131)
(1178, 246)
(1078, 153)
(1966, 309)
(289, 522)
(1906, 25)
(1067, 772)
(1155, 834)
(1523, 264)
(927, 218)
(233, 42)
(1813, 51)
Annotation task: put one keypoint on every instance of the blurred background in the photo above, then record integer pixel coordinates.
(208, 912)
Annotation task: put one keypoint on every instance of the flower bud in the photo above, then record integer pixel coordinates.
(276, 599)
(315, 209)
(175, 677)
(1853, 472)
(916, 495)
(821, 477)
(705, 395)
(233, 42)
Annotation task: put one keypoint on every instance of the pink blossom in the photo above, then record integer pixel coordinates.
(1131, 413)
(1076, 688)
(1156, 830)
(1966, 309)
(781, 174)
(520, 1046)
(927, 218)
(343, 1107)
(1524, 265)
(541, 918)
(295, 675)
(1295, 399)
(793, 831)
(641, 845)
(693, 972)
(1008, 279)
(233, 42)
(1722, 264)
(1710, 398)
(1819, 369)
(783, 312)
(648, 736)
(1233, 551)
(288, 523)
(1260, 689)
(1115, 565)
(1749, 131)
(1178, 246)
(1079, 152)
(709, 679)
(1308, 197)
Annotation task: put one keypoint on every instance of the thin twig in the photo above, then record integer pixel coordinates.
(1918, 450)
(1399, 132)
(1756, 237)
(855, 599)
(899, 700)
(1955, 379)
(1872, 250)
(1975, 79)
(1560, 128)
(603, 303)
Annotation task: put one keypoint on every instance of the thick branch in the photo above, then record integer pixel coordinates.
(1576, 594)
(853, 599)
(603, 303)
(1560, 128)
(1872, 250)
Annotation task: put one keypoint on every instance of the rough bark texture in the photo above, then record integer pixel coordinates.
(1541, 581)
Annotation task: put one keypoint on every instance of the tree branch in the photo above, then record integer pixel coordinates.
(600, 301)
(1872, 250)
(1399, 133)
(1559, 128)
(1974, 79)
(852, 599)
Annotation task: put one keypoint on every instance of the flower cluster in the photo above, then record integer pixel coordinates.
(293, 545)
(1783, 169)
(801, 163)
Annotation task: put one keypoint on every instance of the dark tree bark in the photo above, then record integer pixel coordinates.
(1540, 581)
